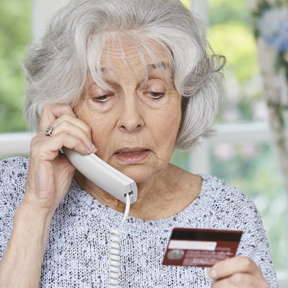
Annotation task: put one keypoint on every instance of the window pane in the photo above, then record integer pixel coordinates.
(231, 34)
(15, 34)
(253, 169)
(181, 159)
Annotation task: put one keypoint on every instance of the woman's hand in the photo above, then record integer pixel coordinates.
(48, 179)
(50, 173)
(237, 272)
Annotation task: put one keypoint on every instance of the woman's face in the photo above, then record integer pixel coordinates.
(135, 124)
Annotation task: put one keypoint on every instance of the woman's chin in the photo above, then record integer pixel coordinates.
(139, 174)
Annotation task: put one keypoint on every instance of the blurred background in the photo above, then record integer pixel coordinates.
(244, 152)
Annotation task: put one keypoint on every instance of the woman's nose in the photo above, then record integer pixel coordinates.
(130, 119)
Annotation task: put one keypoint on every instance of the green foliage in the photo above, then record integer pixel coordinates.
(231, 34)
(262, 5)
(15, 34)
(237, 43)
(221, 11)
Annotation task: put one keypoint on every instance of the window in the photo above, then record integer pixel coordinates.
(15, 34)
(242, 154)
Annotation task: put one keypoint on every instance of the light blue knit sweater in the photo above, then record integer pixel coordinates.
(77, 251)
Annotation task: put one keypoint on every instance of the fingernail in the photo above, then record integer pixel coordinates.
(88, 150)
(212, 274)
(93, 148)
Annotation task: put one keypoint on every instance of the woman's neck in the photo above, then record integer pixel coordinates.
(168, 193)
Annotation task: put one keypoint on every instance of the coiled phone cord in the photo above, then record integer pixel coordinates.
(115, 249)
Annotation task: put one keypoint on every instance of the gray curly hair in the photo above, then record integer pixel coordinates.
(56, 65)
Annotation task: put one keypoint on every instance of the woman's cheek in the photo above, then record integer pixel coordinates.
(172, 117)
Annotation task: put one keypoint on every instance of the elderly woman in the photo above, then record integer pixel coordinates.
(127, 80)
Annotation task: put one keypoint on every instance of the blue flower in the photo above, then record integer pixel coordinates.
(273, 28)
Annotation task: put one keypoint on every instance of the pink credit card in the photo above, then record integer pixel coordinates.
(200, 247)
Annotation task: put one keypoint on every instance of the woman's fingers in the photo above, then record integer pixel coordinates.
(47, 148)
(241, 280)
(50, 112)
(50, 174)
(62, 118)
(65, 118)
(232, 266)
(237, 272)
(76, 128)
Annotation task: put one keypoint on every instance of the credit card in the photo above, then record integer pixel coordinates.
(200, 247)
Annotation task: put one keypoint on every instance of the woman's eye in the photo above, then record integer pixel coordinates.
(156, 95)
(102, 98)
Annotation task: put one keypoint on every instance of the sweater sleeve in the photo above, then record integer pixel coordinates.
(13, 173)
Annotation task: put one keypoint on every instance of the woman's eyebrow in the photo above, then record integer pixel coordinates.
(162, 65)
(158, 65)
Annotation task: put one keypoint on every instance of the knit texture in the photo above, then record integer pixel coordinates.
(77, 251)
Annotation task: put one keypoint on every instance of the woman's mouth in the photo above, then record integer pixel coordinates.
(132, 155)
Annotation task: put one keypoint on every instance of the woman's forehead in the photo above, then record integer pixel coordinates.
(123, 59)
(127, 55)
(160, 70)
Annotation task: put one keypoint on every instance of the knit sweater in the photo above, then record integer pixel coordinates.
(77, 251)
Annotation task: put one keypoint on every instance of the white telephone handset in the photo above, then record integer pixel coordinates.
(115, 183)
(103, 175)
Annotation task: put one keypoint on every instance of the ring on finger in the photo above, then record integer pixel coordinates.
(49, 131)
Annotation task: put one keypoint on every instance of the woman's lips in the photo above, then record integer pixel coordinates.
(132, 155)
